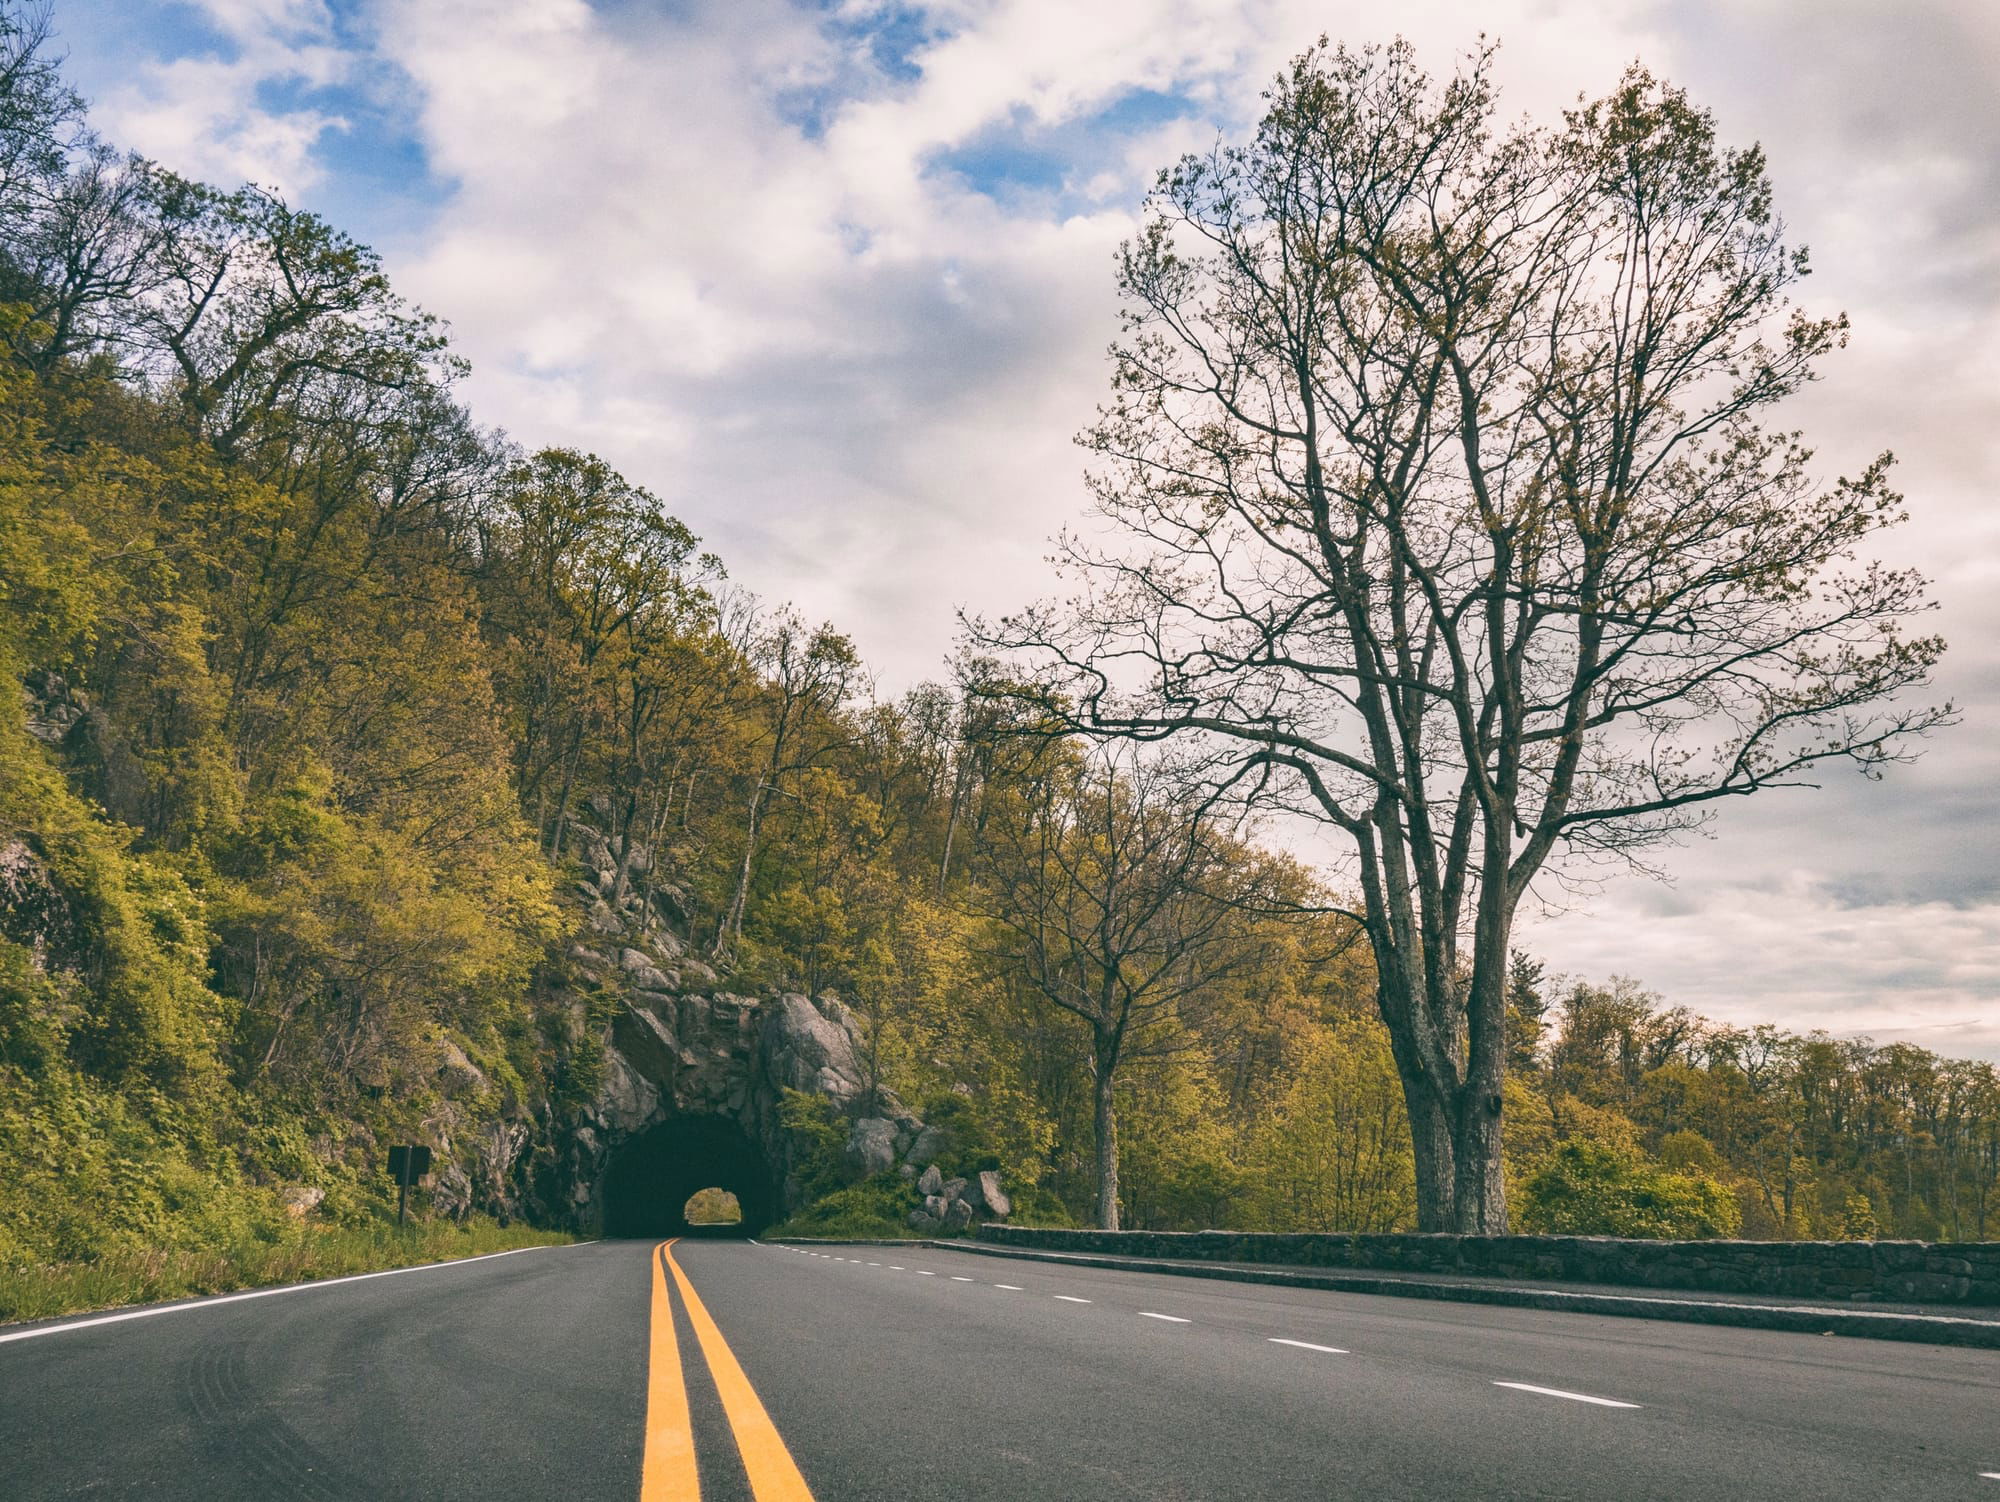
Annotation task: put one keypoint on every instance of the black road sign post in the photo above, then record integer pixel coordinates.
(407, 1164)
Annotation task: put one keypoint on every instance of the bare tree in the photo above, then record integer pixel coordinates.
(1119, 888)
(1437, 449)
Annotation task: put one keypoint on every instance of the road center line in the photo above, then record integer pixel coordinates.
(1306, 1345)
(265, 1293)
(668, 1472)
(1172, 1319)
(1070, 1298)
(1574, 1397)
(766, 1462)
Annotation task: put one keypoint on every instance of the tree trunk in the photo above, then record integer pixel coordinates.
(1480, 1188)
(958, 789)
(732, 920)
(1480, 1191)
(1435, 1155)
(1107, 1143)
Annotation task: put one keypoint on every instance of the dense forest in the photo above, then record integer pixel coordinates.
(315, 680)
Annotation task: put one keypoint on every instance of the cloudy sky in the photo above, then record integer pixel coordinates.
(835, 280)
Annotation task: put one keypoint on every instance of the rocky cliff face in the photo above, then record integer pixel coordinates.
(680, 1045)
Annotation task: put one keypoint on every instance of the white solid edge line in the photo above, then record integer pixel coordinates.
(1172, 1319)
(1070, 1298)
(1306, 1345)
(1574, 1397)
(264, 1293)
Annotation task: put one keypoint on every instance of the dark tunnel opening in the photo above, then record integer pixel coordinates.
(649, 1179)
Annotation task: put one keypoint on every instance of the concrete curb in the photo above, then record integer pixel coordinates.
(1944, 1330)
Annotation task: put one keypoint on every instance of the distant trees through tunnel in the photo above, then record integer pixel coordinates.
(712, 1207)
(677, 1178)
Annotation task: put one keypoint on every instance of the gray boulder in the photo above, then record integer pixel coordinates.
(954, 1189)
(994, 1196)
(871, 1146)
(921, 1220)
(935, 1205)
(300, 1200)
(646, 975)
(930, 1142)
(451, 1195)
(808, 1051)
(932, 1181)
(957, 1216)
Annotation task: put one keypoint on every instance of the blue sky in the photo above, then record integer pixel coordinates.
(369, 169)
(834, 279)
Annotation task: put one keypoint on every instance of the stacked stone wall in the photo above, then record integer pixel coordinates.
(1857, 1271)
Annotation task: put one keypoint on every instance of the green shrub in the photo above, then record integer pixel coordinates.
(1596, 1189)
(876, 1207)
(817, 1136)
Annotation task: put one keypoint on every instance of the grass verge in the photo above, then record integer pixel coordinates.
(38, 1291)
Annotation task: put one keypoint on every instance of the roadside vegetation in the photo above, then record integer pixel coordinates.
(311, 682)
(267, 1256)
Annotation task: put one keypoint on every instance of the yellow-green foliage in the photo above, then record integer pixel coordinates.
(233, 1259)
(1335, 1156)
(713, 1207)
(1589, 1188)
(877, 1208)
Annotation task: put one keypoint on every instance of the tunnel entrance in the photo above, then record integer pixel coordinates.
(651, 1178)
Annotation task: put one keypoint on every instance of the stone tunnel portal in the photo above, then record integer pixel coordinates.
(649, 1179)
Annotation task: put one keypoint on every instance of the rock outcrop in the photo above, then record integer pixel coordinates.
(952, 1205)
(680, 1045)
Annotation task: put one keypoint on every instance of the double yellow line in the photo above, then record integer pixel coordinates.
(670, 1474)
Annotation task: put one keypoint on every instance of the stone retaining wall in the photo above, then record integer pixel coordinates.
(1862, 1271)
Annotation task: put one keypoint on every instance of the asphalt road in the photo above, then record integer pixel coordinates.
(775, 1374)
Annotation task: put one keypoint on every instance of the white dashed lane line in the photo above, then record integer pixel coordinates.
(923, 1272)
(1010, 1287)
(1306, 1345)
(957, 1279)
(1557, 1392)
(1172, 1319)
(897, 1267)
(1070, 1298)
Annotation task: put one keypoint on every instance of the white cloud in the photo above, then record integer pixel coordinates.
(203, 116)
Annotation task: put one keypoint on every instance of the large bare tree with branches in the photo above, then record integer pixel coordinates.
(1447, 514)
